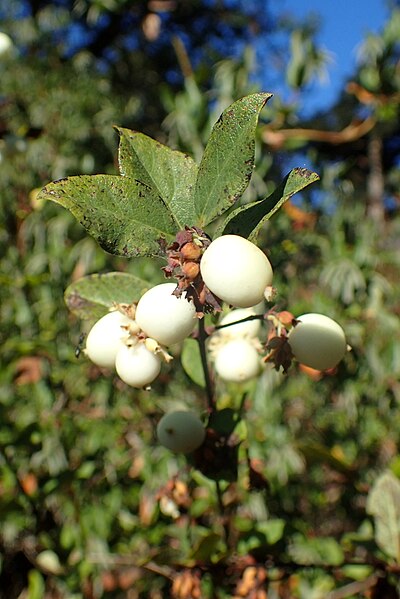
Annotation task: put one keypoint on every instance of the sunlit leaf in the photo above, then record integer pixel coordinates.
(273, 529)
(36, 585)
(383, 504)
(125, 216)
(91, 297)
(247, 220)
(170, 173)
(228, 160)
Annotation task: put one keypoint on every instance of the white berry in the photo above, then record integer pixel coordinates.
(5, 44)
(237, 361)
(165, 317)
(317, 341)
(236, 271)
(136, 365)
(250, 328)
(106, 337)
(181, 431)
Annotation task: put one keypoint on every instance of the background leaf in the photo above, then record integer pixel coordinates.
(384, 504)
(247, 220)
(316, 551)
(92, 296)
(125, 216)
(191, 361)
(228, 160)
(170, 173)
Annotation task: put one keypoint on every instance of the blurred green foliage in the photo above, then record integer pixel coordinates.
(90, 505)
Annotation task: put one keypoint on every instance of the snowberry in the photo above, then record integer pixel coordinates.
(5, 44)
(236, 271)
(250, 328)
(136, 365)
(165, 317)
(237, 361)
(106, 337)
(317, 341)
(181, 431)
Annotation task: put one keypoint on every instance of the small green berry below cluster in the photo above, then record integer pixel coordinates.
(181, 431)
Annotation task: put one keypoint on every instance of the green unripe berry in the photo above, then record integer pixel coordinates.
(181, 431)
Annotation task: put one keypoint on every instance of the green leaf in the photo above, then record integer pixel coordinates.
(228, 160)
(383, 504)
(191, 361)
(206, 547)
(316, 453)
(247, 220)
(273, 529)
(322, 551)
(170, 173)
(125, 216)
(36, 585)
(92, 296)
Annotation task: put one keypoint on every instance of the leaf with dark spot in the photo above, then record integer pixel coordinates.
(125, 216)
(228, 160)
(170, 173)
(91, 297)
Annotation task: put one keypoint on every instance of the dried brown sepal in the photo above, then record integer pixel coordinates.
(286, 318)
(270, 293)
(191, 251)
(279, 352)
(128, 309)
(191, 269)
(183, 263)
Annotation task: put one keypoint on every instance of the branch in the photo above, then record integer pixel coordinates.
(349, 590)
(353, 131)
(201, 339)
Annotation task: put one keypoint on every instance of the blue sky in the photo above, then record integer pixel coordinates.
(344, 24)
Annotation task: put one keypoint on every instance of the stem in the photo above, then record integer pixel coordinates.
(247, 319)
(203, 355)
(375, 181)
(222, 511)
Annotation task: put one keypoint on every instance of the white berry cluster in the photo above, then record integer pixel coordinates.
(134, 339)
